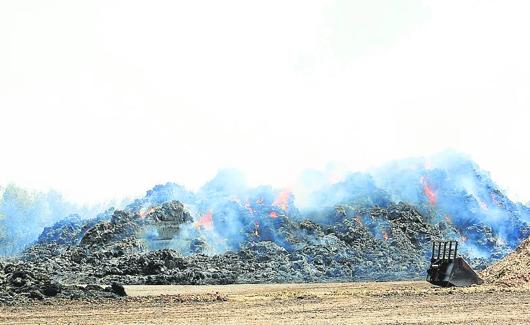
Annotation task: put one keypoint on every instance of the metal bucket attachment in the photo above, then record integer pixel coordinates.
(448, 270)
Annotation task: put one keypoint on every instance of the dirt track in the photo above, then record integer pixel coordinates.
(391, 302)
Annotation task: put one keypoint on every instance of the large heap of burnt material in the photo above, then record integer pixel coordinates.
(375, 226)
(513, 270)
(355, 244)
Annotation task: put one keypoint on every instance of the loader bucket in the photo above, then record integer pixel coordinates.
(448, 270)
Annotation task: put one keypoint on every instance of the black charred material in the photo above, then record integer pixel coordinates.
(347, 243)
(24, 282)
(371, 243)
(167, 219)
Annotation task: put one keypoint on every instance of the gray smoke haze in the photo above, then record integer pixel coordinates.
(226, 211)
(24, 214)
(447, 187)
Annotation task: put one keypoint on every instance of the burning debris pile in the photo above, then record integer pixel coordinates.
(362, 243)
(376, 226)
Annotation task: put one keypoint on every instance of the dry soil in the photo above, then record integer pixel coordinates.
(335, 303)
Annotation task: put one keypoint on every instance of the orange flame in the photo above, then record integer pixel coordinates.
(385, 235)
(256, 229)
(431, 195)
(483, 205)
(273, 214)
(282, 200)
(206, 221)
(358, 220)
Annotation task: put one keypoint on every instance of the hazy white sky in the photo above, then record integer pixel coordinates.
(103, 99)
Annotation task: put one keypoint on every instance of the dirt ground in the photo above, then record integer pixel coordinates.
(336, 303)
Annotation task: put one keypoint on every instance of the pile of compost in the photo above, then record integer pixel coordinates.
(513, 270)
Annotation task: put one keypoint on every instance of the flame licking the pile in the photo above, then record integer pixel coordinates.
(431, 195)
(273, 214)
(282, 201)
(206, 221)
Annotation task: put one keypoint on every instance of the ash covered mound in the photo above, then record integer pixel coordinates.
(513, 270)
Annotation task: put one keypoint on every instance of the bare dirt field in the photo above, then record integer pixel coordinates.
(335, 303)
